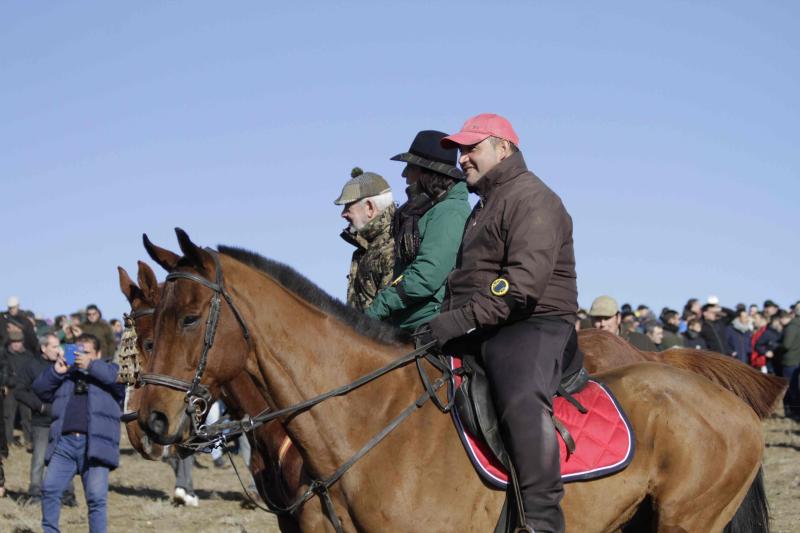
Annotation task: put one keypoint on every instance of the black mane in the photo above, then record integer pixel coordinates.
(306, 289)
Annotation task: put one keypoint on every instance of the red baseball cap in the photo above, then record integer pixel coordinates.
(479, 128)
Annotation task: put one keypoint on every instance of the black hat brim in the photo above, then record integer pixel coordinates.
(442, 168)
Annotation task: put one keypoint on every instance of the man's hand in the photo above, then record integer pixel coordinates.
(424, 335)
(769, 354)
(82, 360)
(61, 365)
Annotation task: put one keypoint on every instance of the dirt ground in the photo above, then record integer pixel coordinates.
(140, 494)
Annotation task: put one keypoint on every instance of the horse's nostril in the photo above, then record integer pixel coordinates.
(157, 423)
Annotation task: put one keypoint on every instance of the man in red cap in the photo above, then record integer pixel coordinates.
(513, 299)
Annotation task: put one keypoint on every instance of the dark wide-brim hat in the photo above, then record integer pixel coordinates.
(426, 151)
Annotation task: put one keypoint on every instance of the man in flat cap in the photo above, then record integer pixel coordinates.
(369, 208)
(513, 299)
(427, 233)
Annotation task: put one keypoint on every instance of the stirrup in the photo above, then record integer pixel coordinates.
(524, 529)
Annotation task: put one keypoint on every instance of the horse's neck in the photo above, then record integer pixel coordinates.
(302, 353)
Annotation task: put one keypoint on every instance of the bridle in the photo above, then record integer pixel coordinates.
(198, 396)
(129, 364)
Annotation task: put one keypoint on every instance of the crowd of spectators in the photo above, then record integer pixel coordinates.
(45, 410)
(31, 348)
(766, 338)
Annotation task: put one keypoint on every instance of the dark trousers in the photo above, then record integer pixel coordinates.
(10, 408)
(3, 447)
(791, 400)
(523, 363)
(3, 441)
(183, 472)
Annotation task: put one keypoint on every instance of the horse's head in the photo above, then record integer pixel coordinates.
(200, 342)
(143, 299)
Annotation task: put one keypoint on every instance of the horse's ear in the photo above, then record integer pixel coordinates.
(148, 283)
(127, 286)
(163, 257)
(198, 257)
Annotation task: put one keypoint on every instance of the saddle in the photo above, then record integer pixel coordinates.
(475, 408)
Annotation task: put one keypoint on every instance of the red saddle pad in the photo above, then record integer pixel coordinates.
(603, 437)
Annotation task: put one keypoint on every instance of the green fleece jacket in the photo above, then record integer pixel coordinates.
(416, 294)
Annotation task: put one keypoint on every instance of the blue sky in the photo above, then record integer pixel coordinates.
(670, 130)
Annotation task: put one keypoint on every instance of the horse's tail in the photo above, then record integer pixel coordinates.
(752, 516)
(760, 391)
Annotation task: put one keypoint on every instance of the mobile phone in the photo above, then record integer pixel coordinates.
(69, 353)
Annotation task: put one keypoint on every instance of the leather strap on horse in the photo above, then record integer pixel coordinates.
(569, 442)
(522, 527)
(233, 428)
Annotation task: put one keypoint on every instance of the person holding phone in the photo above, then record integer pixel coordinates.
(84, 435)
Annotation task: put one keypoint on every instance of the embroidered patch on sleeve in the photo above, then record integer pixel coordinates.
(500, 287)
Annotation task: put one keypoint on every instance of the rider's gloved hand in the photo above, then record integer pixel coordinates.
(423, 335)
(451, 325)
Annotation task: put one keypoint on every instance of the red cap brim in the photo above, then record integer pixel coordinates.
(463, 138)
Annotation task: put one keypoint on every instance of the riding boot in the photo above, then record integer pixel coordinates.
(523, 363)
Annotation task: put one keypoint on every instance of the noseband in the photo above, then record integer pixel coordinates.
(198, 396)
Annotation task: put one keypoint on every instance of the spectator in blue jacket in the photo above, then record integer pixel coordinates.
(84, 436)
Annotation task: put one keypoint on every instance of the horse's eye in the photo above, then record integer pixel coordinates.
(190, 320)
(148, 345)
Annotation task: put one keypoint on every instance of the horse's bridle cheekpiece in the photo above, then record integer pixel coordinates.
(198, 397)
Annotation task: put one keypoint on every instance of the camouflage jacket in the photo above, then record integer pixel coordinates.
(372, 265)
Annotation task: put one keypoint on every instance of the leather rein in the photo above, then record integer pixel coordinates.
(198, 397)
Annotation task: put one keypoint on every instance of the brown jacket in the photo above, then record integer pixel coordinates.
(516, 258)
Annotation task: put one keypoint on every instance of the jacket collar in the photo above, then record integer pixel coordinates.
(371, 230)
(506, 170)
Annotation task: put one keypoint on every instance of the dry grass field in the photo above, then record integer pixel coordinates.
(140, 494)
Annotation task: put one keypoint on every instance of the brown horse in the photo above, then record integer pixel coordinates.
(604, 351)
(698, 446)
(276, 466)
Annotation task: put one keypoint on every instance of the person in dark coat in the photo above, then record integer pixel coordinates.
(42, 416)
(15, 319)
(16, 357)
(790, 348)
(738, 337)
(84, 436)
(713, 331)
(768, 344)
(692, 337)
(671, 323)
(4, 376)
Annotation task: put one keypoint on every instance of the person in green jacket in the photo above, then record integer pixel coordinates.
(427, 231)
